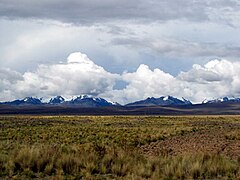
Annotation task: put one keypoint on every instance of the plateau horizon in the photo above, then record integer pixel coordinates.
(91, 101)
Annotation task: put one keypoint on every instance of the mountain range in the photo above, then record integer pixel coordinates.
(162, 101)
(90, 101)
(221, 100)
(83, 100)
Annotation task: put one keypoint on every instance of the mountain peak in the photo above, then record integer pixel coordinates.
(221, 100)
(25, 101)
(162, 101)
(165, 98)
(56, 100)
(91, 101)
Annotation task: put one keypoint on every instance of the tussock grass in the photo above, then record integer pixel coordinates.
(107, 148)
(112, 162)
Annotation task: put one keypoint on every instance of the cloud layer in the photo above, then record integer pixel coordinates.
(80, 75)
(92, 11)
(119, 35)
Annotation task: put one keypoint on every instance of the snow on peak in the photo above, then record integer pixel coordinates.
(26, 99)
(220, 100)
(85, 96)
(29, 99)
(113, 103)
(56, 100)
(166, 98)
(61, 98)
(205, 101)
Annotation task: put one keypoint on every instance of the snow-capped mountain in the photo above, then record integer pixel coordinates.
(25, 101)
(56, 100)
(162, 101)
(90, 101)
(82, 100)
(221, 100)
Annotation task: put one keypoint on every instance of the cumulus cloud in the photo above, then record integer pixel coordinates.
(213, 71)
(217, 78)
(145, 81)
(148, 83)
(80, 75)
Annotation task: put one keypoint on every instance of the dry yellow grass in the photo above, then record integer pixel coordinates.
(111, 147)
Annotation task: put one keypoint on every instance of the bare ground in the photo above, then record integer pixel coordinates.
(211, 140)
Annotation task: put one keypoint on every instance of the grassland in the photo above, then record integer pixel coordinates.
(116, 147)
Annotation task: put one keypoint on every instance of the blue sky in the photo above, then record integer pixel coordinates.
(125, 39)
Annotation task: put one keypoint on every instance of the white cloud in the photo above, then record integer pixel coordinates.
(117, 46)
(146, 83)
(8, 78)
(80, 75)
(215, 79)
(213, 71)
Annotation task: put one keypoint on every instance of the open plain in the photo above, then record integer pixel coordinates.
(116, 147)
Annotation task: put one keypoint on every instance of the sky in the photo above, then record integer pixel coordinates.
(123, 51)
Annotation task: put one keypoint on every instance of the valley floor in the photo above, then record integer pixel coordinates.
(116, 147)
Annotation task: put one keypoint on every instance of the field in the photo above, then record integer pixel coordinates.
(120, 147)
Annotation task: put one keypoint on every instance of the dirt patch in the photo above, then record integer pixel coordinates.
(206, 141)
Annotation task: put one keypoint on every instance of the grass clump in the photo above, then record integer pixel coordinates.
(39, 162)
(73, 147)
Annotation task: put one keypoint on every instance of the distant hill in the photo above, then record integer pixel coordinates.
(162, 101)
(25, 101)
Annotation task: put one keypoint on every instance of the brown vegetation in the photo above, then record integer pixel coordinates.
(114, 147)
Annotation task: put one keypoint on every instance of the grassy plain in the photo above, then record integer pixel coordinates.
(116, 147)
